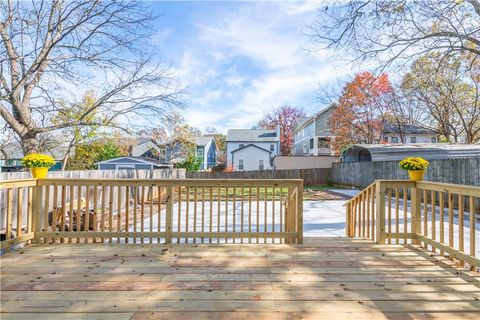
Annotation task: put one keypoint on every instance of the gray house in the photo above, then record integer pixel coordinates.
(312, 136)
(175, 150)
(132, 163)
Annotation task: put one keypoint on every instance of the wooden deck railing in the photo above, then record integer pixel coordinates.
(152, 211)
(427, 213)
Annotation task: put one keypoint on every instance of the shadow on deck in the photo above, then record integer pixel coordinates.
(325, 278)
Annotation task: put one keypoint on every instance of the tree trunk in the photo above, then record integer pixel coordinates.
(30, 143)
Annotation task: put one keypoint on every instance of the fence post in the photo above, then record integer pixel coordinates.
(380, 218)
(300, 213)
(169, 215)
(37, 212)
(416, 212)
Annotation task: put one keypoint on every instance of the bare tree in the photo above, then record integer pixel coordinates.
(399, 30)
(50, 48)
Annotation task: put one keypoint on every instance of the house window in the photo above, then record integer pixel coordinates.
(200, 152)
(241, 145)
(311, 143)
(304, 148)
(413, 139)
(434, 140)
(240, 164)
(272, 147)
(394, 139)
(260, 165)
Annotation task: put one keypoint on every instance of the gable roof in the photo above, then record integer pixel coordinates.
(256, 135)
(406, 128)
(203, 140)
(250, 145)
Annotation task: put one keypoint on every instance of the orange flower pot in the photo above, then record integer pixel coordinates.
(416, 175)
(39, 173)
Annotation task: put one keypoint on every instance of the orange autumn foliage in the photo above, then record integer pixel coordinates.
(361, 110)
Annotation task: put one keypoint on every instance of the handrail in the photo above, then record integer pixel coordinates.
(158, 210)
(418, 213)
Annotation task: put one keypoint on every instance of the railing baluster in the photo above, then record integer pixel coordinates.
(250, 213)
(226, 212)
(450, 221)
(219, 196)
(71, 190)
(434, 215)
(187, 211)
(30, 209)
(103, 206)
(210, 229)
(461, 209)
(159, 211)
(273, 214)
(397, 214)
(195, 213)
(281, 214)
(203, 212)
(46, 212)
(425, 216)
(119, 211)
(150, 211)
(142, 213)
(19, 211)
(127, 209)
(472, 229)
(441, 217)
(265, 216)
(78, 224)
(110, 212)
(405, 214)
(179, 213)
(8, 230)
(63, 211)
(95, 207)
(389, 223)
(241, 213)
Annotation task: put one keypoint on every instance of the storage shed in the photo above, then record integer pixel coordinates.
(396, 152)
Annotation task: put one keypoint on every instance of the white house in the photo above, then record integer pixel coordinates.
(252, 149)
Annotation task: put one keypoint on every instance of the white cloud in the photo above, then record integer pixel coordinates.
(240, 64)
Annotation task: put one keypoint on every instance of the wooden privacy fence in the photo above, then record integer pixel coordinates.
(438, 216)
(362, 174)
(316, 176)
(154, 211)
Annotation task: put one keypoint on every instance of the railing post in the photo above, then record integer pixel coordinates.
(380, 214)
(37, 211)
(169, 215)
(416, 207)
(300, 213)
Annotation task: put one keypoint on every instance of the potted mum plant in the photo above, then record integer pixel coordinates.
(415, 166)
(38, 164)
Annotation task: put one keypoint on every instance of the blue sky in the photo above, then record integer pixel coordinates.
(240, 60)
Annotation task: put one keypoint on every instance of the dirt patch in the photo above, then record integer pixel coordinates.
(313, 195)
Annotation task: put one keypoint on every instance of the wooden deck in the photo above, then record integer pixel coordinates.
(322, 279)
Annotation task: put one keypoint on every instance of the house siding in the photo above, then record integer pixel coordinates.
(251, 157)
(302, 140)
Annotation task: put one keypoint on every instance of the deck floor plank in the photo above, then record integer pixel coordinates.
(354, 279)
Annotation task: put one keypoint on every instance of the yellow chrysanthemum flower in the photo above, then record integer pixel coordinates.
(413, 163)
(36, 160)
